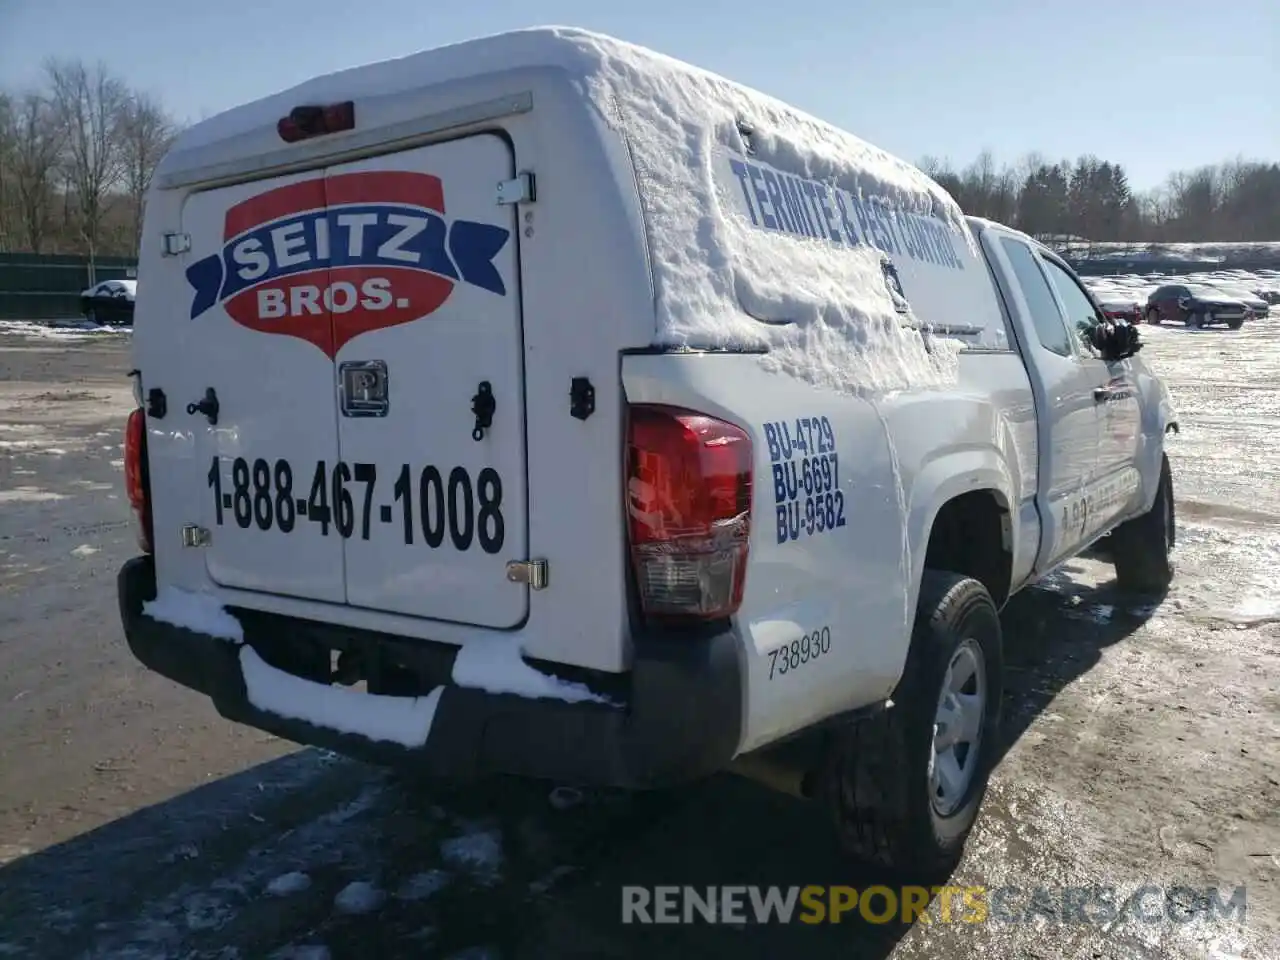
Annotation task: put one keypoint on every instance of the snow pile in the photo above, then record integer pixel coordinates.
(479, 852)
(495, 665)
(69, 330)
(403, 720)
(420, 886)
(29, 495)
(198, 612)
(358, 897)
(288, 884)
(826, 310)
(315, 951)
(492, 664)
(716, 277)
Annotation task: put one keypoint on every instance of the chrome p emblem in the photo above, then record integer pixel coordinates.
(362, 388)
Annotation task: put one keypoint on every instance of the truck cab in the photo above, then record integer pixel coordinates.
(487, 425)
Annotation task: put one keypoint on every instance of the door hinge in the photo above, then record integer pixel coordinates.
(520, 190)
(532, 572)
(173, 244)
(194, 535)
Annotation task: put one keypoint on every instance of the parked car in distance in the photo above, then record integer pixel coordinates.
(1195, 305)
(1117, 307)
(110, 301)
(1256, 304)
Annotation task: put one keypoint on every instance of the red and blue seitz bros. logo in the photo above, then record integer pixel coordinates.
(331, 258)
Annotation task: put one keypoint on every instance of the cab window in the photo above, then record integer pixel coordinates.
(1045, 315)
(1081, 313)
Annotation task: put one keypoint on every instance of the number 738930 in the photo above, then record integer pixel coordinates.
(428, 504)
(792, 656)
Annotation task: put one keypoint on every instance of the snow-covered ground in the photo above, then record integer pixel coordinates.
(68, 331)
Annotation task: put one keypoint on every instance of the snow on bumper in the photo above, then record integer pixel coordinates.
(679, 720)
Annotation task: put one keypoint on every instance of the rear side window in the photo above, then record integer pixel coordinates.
(1052, 332)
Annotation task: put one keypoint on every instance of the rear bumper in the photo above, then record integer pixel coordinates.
(1224, 315)
(680, 720)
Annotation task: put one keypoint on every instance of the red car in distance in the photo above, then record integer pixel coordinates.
(1195, 305)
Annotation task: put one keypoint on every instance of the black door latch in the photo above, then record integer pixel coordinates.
(208, 406)
(483, 405)
(582, 398)
(157, 405)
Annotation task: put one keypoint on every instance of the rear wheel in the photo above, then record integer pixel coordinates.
(1141, 548)
(1195, 320)
(905, 785)
(1153, 316)
(92, 316)
(1235, 324)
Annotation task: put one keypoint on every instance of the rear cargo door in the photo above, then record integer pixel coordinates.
(259, 335)
(430, 500)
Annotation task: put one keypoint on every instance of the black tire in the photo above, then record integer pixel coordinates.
(1235, 324)
(1153, 316)
(876, 780)
(1195, 320)
(1141, 548)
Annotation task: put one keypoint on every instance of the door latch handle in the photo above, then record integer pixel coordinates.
(1101, 393)
(483, 406)
(208, 406)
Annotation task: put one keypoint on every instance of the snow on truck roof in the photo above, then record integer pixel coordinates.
(767, 226)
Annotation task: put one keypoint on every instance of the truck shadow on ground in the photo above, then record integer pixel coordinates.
(1057, 631)
(498, 869)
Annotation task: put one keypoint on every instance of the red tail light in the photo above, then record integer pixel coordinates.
(689, 512)
(136, 482)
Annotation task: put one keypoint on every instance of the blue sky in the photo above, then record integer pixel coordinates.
(1157, 85)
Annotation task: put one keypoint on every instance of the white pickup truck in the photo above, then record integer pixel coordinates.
(542, 405)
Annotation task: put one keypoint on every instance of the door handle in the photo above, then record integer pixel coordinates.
(1101, 394)
(208, 406)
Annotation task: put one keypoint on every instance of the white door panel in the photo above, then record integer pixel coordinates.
(1067, 405)
(270, 367)
(438, 501)
(1119, 414)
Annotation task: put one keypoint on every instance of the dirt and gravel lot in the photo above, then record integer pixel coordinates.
(1142, 747)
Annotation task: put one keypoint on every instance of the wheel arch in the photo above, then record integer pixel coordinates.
(968, 527)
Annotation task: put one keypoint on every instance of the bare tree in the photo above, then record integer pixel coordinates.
(146, 131)
(8, 206)
(89, 103)
(36, 150)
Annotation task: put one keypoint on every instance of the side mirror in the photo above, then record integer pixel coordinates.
(1115, 341)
